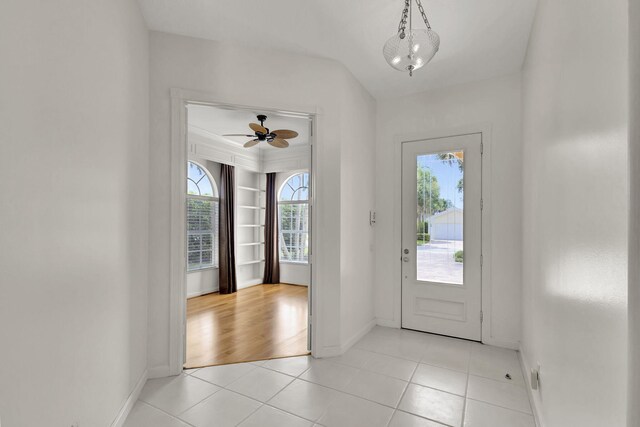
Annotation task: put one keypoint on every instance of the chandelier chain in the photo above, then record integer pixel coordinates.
(403, 20)
(424, 15)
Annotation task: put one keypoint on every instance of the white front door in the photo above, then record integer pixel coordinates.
(441, 236)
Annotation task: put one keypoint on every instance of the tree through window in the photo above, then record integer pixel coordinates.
(293, 214)
(202, 218)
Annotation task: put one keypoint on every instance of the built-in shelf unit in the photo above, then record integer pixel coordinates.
(250, 204)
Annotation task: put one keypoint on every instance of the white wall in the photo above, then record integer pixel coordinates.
(357, 198)
(494, 102)
(201, 282)
(74, 185)
(295, 273)
(633, 409)
(285, 80)
(575, 179)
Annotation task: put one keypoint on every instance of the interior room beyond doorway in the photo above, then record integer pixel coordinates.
(248, 235)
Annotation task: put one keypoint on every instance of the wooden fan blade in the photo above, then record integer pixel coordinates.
(251, 143)
(285, 133)
(257, 128)
(239, 134)
(279, 143)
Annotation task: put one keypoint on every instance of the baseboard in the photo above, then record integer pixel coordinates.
(328, 351)
(200, 293)
(291, 282)
(355, 338)
(511, 345)
(249, 283)
(535, 401)
(339, 350)
(159, 372)
(130, 402)
(388, 323)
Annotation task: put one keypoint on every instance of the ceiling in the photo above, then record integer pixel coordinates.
(480, 39)
(220, 121)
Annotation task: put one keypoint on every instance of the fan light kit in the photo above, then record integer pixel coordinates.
(274, 138)
(411, 48)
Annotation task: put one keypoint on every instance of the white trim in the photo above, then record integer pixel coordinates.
(179, 156)
(208, 148)
(511, 345)
(202, 292)
(388, 323)
(534, 400)
(250, 283)
(159, 372)
(202, 269)
(358, 336)
(130, 402)
(177, 266)
(485, 129)
(328, 351)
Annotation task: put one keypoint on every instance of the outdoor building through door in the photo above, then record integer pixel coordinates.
(441, 236)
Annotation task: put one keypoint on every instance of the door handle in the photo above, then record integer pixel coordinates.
(405, 259)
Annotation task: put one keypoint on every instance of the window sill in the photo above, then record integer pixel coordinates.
(295, 262)
(198, 270)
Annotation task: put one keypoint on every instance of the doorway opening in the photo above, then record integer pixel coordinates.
(442, 236)
(248, 230)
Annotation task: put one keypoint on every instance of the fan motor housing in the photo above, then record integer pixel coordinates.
(262, 136)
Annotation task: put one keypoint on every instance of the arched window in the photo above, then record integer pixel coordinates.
(293, 215)
(202, 218)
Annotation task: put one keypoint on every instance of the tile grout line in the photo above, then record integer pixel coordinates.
(498, 381)
(394, 408)
(175, 417)
(404, 392)
(425, 418)
(199, 402)
(291, 413)
(364, 398)
(466, 389)
(466, 397)
(328, 359)
(420, 361)
(421, 416)
(253, 398)
(357, 371)
(251, 413)
(500, 406)
(283, 389)
(355, 395)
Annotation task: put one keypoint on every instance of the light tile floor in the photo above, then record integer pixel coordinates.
(391, 377)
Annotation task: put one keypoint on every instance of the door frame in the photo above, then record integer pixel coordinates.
(180, 98)
(485, 130)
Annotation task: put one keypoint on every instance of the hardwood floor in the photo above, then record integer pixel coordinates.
(260, 322)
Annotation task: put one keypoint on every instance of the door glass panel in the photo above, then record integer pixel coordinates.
(440, 213)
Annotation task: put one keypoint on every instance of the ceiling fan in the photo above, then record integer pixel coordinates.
(275, 138)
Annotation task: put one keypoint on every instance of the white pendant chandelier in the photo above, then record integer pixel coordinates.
(411, 49)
